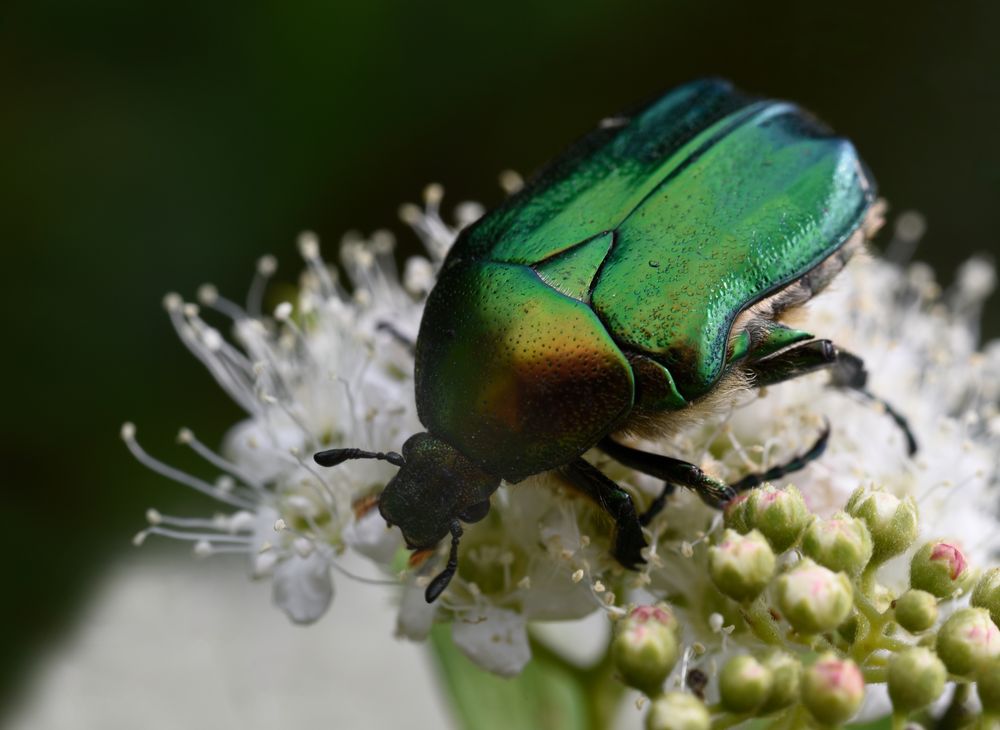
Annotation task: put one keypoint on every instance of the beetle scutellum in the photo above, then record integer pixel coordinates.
(636, 281)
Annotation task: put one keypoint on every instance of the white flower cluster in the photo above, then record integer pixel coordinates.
(333, 369)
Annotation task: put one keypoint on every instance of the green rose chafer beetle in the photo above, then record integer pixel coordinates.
(638, 280)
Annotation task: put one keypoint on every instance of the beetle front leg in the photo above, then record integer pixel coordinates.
(629, 540)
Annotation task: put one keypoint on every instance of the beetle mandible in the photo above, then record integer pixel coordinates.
(638, 279)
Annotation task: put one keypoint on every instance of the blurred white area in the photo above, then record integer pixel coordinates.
(168, 644)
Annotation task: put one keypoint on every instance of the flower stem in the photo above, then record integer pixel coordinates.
(761, 623)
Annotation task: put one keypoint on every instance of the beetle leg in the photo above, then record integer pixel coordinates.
(629, 540)
(442, 579)
(672, 471)
(398, 336)
(847, 371)
(751, 481)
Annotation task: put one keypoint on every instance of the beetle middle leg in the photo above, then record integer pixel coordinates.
(713, 492)
(629, 540)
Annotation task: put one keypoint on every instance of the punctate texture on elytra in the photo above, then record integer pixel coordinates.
(620, 270)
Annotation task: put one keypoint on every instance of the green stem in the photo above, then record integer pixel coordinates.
(720, 722)
(600, 688)
(763, 626)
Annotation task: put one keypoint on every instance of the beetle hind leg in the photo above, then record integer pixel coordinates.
(847, 371)
(629, 540)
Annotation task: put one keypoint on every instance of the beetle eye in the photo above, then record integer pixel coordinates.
(475, 512)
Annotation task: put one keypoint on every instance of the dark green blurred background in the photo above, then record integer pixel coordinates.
(150, 146)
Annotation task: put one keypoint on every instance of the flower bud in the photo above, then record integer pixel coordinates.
(916, 610)
(916, 678)
(832, 689)
(814, 599)
(735, 513)
(779, 514)
(678, 711)
(645, 648)
(986, 594)
(891, 521)
(988, 686)
(744, 684)
(741, 566)
(967, 641)
(940, 568)
(785, 672)
(841, 543)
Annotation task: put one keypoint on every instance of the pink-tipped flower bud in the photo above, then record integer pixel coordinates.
(678, 711)
(744, 684)
(967, 641)
(645, 648)
(916, 678)
(891, 521)
(786, 672)
(941, 569)
(814, 599)
(986, 594)
(841, 543)
(832, 689)
(779, 514)
(916, 611)
(734, 514)
(988, 686)
(741, 566)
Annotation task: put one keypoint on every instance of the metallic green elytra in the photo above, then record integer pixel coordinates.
(642, 268)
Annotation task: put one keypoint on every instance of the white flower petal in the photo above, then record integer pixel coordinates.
(416, 616)
(302, 587)
(496, 639)
(371, 537)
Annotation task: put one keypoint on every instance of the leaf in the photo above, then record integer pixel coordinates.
(546, 695)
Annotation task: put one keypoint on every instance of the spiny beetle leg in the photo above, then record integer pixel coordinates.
(750, 481)
(629, 540)
(672, 471)
(847, 371)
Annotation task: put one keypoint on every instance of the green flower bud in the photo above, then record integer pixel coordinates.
(988, 686)
(785, 672)
(678, 711)
(967, 641)
(841, 543)
(891, 521)
(741, 566)
(916, 611)
(744, 684)
(814, 599)
(986, 594)
(780, 514)
(832, 689)
(645, 648)
(735, 513)
(940, 568)
(916, 678)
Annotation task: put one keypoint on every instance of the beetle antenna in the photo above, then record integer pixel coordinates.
(333, 457)
(442, 579)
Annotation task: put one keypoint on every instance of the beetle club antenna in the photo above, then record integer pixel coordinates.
(442, 579)
(333, 457)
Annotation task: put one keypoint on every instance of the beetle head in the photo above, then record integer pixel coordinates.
(435, 486)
